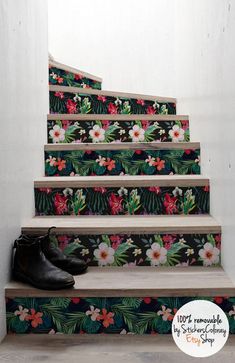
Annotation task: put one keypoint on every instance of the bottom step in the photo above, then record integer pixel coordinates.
(117, 301)
(105, 349)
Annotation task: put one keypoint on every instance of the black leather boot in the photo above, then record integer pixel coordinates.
(73, 265)
(31, 266)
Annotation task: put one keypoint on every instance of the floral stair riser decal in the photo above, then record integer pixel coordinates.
(130, 250)
(60, 77)
(120, 162)
(74, 103)
(122, 201)
(118, 315)
(66, 131)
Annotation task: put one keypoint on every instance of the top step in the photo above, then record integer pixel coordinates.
(63, 75)
(73, 100)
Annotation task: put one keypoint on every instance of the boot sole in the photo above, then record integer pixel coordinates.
(19, 276)
(75, 272)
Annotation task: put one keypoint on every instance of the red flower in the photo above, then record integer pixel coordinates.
(218, 238)
(71, 106)
(63, 241)
(185, 124)
(106, 317)
(66, 124)
(150, 110)
(112, 109)
(45, 190)
(102, 190)
(60, 203)
(147, 300)
(140, 102)
(156, 190)
(218, 299)
(115, 202)
(60, 80)
(116, 241)
(170, 204)
(160, 164)
(101, 98)
(168, 238)
(77, 77)
(59, 94)
(75, 300)
(138, 152)
(105, 124)
(145, 124)
(188, 151)
(60, 164)
(110, 164)
(36, 318)
(206, 188)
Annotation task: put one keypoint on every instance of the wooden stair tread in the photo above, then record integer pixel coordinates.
(54, 63)
(116, 117)
(124, 224)
(121, 180)
(110, 93)
(123, 146)
(138, 282)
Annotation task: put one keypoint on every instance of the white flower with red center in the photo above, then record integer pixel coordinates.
(165, 313)
(97, 134)
(157, 254)
(104, 254)
(22, 313)
(93, 313)
(209, 254)
(137, 133)
(57, 134)
(176, 133)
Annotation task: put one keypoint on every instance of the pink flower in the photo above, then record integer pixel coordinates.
(59, 94)
(101, 98)
(102, 190)
(185, 124)
(66, 124)
(116, 241)
(145, 124)
(45, 190)
(71, 106)
(60, 203)
(75, 300)
(77, 77)
(156, 190)
(140, 102)
(170, 204)
(168, 238)
(105, 124)
(150, 110)
(115, 203)
(112, 109)
(63, 241)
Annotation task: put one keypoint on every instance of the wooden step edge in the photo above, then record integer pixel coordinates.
(123, 180)
(138, 282)
(118, 117)
(195, 224)
(70, 69)
(110, 93)
(124, 146)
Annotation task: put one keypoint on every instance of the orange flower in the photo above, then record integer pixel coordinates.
(110, 164)
(160, 164)
(36, 318)
(106, 317)
(61, 164)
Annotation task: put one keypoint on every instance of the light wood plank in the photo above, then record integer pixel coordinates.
(124, 146)
(119, 181)
(110, 93)
(118, 117)
(123, 224)
(67, 68)
(138, 282)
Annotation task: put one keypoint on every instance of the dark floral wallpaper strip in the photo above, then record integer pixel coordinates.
(119, 315)
(122, 201)
(73, 103)
(95, 131)
(130, 250)
(121, 162)
(63, 78)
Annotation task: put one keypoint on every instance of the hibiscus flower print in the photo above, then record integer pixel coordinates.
(97, 134)
(157, 254)
(22, 313)
(104, 254)
(137, 133)
(106, 318)
(115, 203)
(177, 133)
(165, 313)
(170, 204)
(60, 203)
(93, 313)
(57, 134)
(209, 254)
(35, 318)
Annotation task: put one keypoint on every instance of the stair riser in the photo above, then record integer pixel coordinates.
(130, 250)
(93, 131)
(76, 103)
(119, 162)
(61, 77)
(122, 201)
(111, 315)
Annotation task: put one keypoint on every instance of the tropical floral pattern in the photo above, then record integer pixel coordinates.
(122, 201)
(130, 250)
(120, 162)
(111, 315)
(95, 131)
(63, 78)
(73, 103)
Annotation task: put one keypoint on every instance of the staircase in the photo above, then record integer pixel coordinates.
(123, 187)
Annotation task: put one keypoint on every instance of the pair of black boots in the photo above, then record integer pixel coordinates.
(38, 262)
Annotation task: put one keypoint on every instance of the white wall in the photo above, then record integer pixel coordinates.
(23, 107)
(127, 42)
(205, 87)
